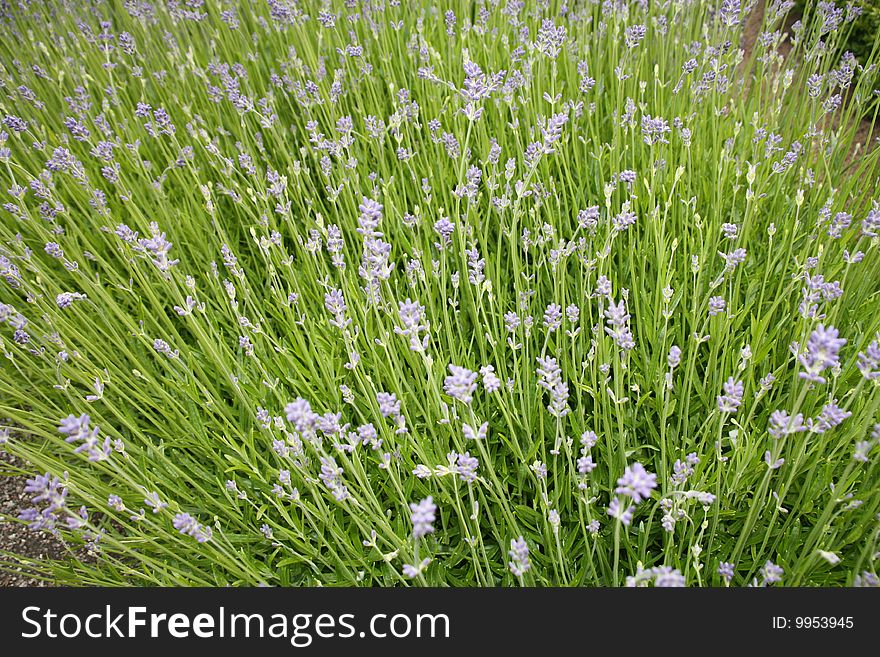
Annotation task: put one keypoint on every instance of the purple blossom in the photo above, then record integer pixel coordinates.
(730, 12)
(540, 469)
(822, 351)
(466, 466)
(732, 259)
(840, 222)
(460, 384)
(331, 475)
(871, 222)
(681, 471)
(585, 465)
(414, 571)
(152, 500)
(668, 577)
(726, 570)
(477, 86)
(716, 305)
(589, 439)
(375, 265)
(334, 302)
(164, 348)
(621, 512)
(15, 123)
(66, 299)
(54, 250)
(782, 424)
(475, 434)
(300, 415)
(863, 447)
(552, 131)
(550, 378)
(731, 400)
(623, 220)
(618, 328)
(771, 573)
(389, 404)
(636, 483)
(589, 219)
(491, 382)
(730, 230)
(519, 557)
(189, 526)
(773, 465)
(553, 317)
(77, 429)
(549, 372)
(158, 247)
(603, 287)
(329, 424)
(831, 416)
(371, 215)
(634, 35)
(412, 318)
(444, 229)
(551, 38)
(866, 579)
(627, 176)
(422, 517)
(654, 130)
(511, 321)
(869, 361)
(49, 500)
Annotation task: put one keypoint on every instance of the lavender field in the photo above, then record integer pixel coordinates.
(489, 293)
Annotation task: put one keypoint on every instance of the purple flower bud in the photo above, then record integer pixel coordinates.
(716, 306)
(519, 557)
(823, 347)
(863, 447)
(389, 404)
(636, 483)
(771, 573)
(466, 466)
(187, 525)
(731, 400)
(621, 512)
(491, 382)
(618, 328)
(423, 516)
(869, 361)
(553, 317)
(726, 570)
(460, 384)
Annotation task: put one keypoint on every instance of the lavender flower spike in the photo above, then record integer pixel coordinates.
(460, 384)
(519, 556)
(636, 483)
(822, 352)
(422, 517)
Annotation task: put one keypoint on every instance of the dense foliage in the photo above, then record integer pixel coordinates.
(445, 293)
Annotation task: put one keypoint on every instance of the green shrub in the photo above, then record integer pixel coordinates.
(449, 294)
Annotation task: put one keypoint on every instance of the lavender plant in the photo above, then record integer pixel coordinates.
(441, 293)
